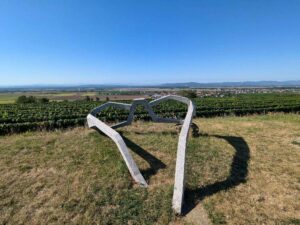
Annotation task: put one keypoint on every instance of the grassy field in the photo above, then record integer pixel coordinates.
(7, 98)
(241, 170)
(10, 97)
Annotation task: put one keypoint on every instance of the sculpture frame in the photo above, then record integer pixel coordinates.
(94, 122)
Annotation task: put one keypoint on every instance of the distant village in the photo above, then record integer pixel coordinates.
(212, 92)
(198, 92)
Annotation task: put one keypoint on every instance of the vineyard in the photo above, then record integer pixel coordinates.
(16, 118)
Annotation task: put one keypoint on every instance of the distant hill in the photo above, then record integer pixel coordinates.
(292, 83)
(267, 84)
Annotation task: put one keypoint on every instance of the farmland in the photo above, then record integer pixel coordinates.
(16, 118)
(11, 97)
(240, 170)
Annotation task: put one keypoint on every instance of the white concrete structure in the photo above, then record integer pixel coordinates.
(93, 121)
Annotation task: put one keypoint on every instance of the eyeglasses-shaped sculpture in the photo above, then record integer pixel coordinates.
(94, 122)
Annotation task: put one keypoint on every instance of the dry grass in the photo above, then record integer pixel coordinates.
(263, 189)
(242, 170)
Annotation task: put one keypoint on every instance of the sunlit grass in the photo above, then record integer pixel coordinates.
(243, 170)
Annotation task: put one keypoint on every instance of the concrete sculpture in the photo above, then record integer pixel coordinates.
(94, 122)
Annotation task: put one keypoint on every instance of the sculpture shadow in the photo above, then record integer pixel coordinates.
(155, 163)
(238, 171)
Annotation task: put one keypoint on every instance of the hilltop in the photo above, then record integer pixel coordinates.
(241, 170)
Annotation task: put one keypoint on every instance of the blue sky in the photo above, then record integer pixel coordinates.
(144, 42)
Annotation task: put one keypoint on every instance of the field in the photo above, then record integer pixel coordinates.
(48, 116)
(240, 170)
(11, 97)
(7, 98)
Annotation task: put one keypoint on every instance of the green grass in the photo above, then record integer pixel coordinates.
(242, 170)
(6, 98)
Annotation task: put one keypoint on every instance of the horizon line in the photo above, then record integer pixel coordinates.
(258, 83)
(139, 84)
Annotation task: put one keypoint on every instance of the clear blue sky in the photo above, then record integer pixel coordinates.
(143, 42)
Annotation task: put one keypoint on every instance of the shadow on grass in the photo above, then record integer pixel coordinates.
(155, 163)
(238, 171)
